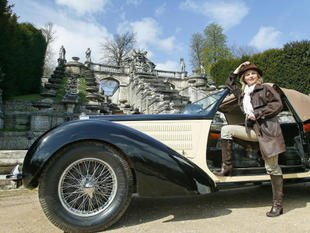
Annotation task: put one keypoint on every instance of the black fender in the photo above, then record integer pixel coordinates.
(158, 169)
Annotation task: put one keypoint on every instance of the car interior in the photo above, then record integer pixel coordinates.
(246, 157)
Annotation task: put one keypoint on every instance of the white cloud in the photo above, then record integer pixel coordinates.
(168, 65)
(167, 44)
(147, 31)
(82, 6)
(265, 38)
(77, 41)
(149, 37)
(226, 13)
(76, 35)
(148, 34)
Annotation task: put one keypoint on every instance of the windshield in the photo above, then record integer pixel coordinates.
(204, 105)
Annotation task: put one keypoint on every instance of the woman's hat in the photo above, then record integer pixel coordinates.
(251, 66)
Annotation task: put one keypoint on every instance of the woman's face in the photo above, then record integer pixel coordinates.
(250, 77)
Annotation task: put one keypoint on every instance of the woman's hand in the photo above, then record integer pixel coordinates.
(252, 117)
(237, 70)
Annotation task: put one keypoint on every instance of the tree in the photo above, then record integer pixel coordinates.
(240, 51)
(288, 67)
(117, 49)
(22, 49)
(49, 35)
(215, 47)
(196, 48)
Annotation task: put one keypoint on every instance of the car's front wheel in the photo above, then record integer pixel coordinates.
(85, 188)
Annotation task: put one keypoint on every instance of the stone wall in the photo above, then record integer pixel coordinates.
(24, 115)
(24, 122)
(17, 140)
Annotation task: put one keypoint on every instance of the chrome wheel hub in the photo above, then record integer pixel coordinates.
(87, 187)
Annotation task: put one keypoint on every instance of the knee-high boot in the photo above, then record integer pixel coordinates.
(226, 158)
(277, 194)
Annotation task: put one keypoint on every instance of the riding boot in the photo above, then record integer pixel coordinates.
(277, 193)
(226, 158)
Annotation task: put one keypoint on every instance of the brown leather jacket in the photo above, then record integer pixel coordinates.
(267, 104)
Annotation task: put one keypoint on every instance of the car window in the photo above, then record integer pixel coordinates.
(204, 105)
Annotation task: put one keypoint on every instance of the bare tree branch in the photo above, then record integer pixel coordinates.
(196, 47)
(117, 49)
(50, 35)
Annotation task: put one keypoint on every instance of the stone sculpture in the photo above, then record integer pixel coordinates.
(138, 61)
(62, 53)
(87, 54)
(182, 63)
(202, 69)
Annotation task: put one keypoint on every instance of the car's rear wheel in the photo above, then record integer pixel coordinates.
(85, 188)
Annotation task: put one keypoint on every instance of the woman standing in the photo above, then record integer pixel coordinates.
(260, 104)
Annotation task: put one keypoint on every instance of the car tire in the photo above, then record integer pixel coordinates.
(86, 187)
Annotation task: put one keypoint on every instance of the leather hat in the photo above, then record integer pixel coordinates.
(251, 66)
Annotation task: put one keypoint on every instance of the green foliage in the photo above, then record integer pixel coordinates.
(270, 62)
(82, 90)
(215, 47)
(209, 47)
(196, 47)
(289, 67)
(27, 97)
(62, 89)
(297, 65)
(22, 50)
(221, 69)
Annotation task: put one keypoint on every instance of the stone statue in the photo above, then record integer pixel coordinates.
(182, 63)
(202, 69)
(87, 54)
(62, 53)
(139, 57)
(140, 60)
(150, 65)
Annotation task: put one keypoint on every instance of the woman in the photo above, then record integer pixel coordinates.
(260, 103)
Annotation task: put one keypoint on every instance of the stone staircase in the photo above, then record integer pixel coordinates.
(53, 83)
(96, 102)
(159, 96)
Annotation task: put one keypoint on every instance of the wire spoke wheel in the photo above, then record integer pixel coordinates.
(87, 187)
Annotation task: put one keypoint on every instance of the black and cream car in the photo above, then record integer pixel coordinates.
(87, 170)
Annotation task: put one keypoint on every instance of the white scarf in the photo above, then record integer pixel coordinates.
(247, 106)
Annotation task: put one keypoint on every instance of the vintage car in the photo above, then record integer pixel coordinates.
(87, 170)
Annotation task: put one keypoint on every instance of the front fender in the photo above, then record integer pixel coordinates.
(159, 170)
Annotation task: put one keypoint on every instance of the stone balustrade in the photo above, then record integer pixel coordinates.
(97, 67)
(108, 68)
(170, 74)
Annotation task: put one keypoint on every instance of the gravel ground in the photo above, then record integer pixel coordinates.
(238, 210)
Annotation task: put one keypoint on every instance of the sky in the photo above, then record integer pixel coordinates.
(164, 27)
